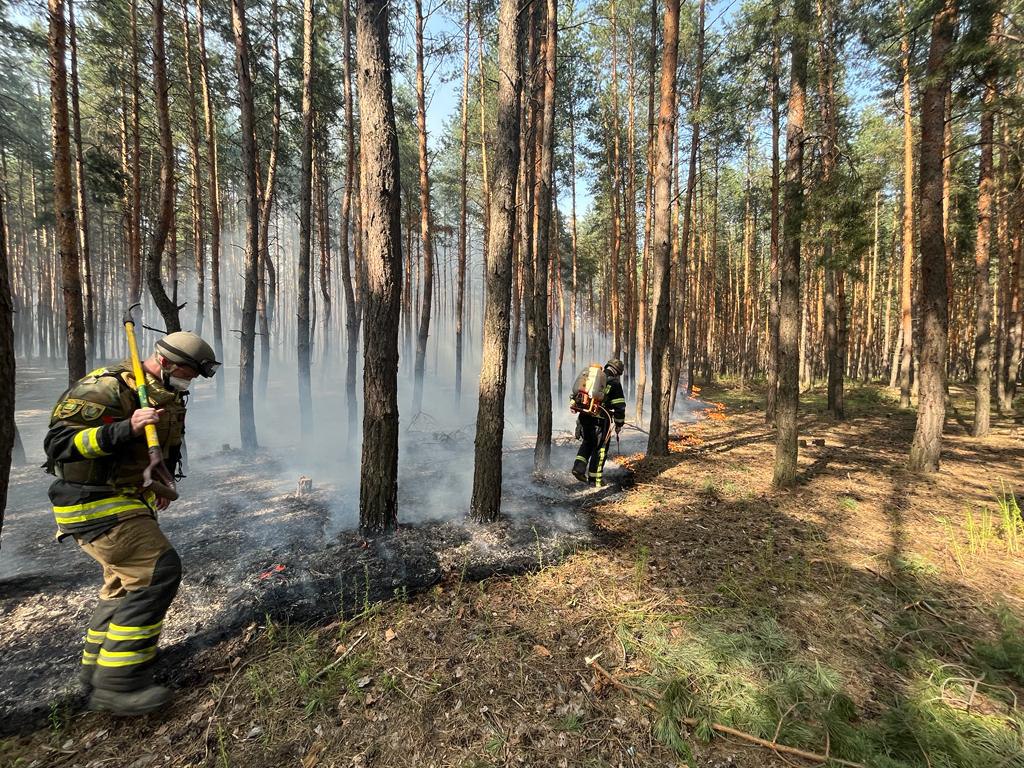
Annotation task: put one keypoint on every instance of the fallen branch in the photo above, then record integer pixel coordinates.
(338, 660)
(742, 735)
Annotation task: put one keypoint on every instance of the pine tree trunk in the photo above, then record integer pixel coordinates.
(426, 219)
(212, 179)
(247, 417)
(81, 186)
(196, 191)
(305, 225)
(906, 307)
(982, 248)
(542, 234)
(926, 447)
(135, 215)
(661, 233)
(67, 230)
(8, 430)
(353, 319)
(773, 290)
(380, 185)
(490, 423)
(461, 297)
(266, 265)
(788, 399)
(165, 207)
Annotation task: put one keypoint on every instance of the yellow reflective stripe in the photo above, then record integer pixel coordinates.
(125, 658)
(116, 632)
(618, 400)
(92, 636)
(580, 458)
(88, 658)
(87, 442)
(111, 505)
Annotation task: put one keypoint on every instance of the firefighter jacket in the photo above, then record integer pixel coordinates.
(615, 400)
(97, 460)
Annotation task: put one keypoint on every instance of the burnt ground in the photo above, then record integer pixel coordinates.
(253, 550)
(867, 614)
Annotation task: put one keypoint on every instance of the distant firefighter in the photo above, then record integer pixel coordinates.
(102, 454)
(598, 399)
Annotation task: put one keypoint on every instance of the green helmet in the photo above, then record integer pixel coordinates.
(615, 367)
(186, 348)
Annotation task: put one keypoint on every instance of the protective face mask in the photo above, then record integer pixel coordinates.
(176, 383)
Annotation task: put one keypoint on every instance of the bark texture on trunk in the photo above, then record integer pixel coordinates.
(426, 220)
(380, 184)
(302, 338)
(542, 234)
(788, 398)
(982, 246)
(661, 233)
(246, 360)
(461, 295)
(67, 228)
(7, 366)
(490, 422)
(165, 206)
(773, 289)
(906, 306)
(926, 447)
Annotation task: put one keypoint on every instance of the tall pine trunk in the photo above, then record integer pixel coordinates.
(426, 221)
(81, 187)
(542, 234)
(788, 399)
(464, 146)
(7, 364)
(906, 301)
(982, 247)
(490, 422)
(302, 342)
(773, 288)
(661, 267)
(926, 447)
(246, 414)
(380, 184)
(165, 207)
(67, 229)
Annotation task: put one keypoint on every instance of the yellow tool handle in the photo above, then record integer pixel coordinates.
(140, 383)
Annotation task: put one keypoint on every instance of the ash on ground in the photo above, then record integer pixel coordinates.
(253, 549)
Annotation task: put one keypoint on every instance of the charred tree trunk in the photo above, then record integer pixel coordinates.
(661, 369)
(380, 184)
(788, 399)
(490, 423)
(426, 223)
(542, 234)
(931, 409)
(165, 206)
(67, 230)
(247, 417)
(302, 341)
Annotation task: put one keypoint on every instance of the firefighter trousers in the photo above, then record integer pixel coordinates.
(590, 458)
(141, 573)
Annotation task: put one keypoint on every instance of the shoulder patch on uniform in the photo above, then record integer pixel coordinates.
(92, 411)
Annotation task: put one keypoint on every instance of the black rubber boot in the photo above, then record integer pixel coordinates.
(128, 703)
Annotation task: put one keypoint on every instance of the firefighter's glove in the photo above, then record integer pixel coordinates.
(618, 428)
(579, 431)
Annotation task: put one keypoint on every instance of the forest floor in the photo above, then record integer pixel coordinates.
(869, 614)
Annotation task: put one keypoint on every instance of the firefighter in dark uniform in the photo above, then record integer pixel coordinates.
(97, 449)
(594, 430)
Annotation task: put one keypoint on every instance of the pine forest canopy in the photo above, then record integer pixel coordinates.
(773, 189)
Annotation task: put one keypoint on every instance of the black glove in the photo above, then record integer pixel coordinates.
(579, 431)
(618, 428)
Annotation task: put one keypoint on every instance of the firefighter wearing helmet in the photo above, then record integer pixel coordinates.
(96, 448)
(600, 402)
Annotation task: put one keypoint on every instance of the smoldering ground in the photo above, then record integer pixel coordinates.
(255, 549)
